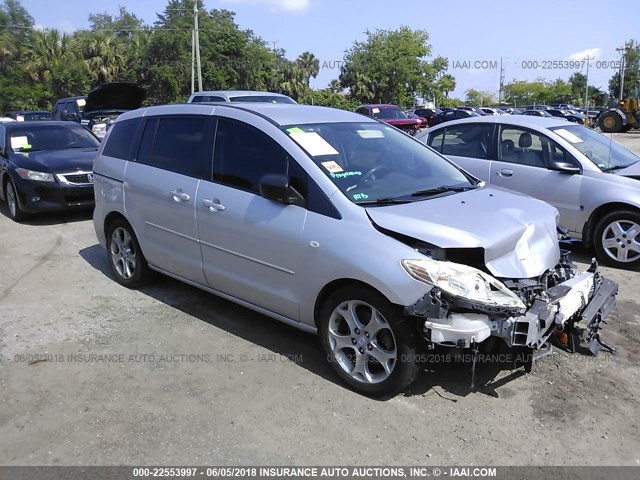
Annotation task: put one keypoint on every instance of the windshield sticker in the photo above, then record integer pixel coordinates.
(314, 144)
(360, 196)
(332, 167)
(19, 142)
(567, 135)
(295, 130)
(344, 174)
(375, 110)
(371, 133)
(81, 102)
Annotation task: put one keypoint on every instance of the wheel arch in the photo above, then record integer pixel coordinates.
(336, 285)
(112, 217)
(595, 217)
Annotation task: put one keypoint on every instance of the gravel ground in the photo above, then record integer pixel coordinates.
(94, 374)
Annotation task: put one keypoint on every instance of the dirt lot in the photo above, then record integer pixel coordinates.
(171, 375)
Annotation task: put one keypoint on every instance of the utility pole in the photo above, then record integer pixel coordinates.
(586, 92)
(193, 60)
(501, 84)
(196, 43)
(623, 51)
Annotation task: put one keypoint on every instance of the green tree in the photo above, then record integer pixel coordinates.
(479, 98)
(309, 64)
(631, 73)
(390, 67)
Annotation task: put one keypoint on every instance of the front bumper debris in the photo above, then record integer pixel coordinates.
(586, 298)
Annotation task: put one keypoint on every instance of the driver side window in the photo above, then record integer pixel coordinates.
(526, 147)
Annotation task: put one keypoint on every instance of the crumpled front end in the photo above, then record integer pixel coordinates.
(551, 303)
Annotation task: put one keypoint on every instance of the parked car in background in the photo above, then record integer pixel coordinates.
(30, 115)
(106, 102)
(427, 113)
(427, 254)
(238, 96)
(7, 119)
(423, 121)
(590, 179)
(512, 110)
(477, 110)
(493, 111)
(69, 109)
(570, 115)
(537, 113)
(448, 115)
(46, 166)
(393, 115)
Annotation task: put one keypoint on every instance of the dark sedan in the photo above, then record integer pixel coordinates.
(46, 166)
(448, 115)
(30, 115)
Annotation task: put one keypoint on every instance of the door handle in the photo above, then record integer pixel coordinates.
(214, 205)
(505, 172)
(179, 196)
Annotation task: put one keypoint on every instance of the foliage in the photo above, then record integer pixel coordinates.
(477, 98)
(631, 73)
(391, 67)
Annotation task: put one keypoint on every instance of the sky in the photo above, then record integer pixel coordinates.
(475, 35)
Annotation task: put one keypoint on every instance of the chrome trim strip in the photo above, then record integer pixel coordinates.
(168, 230)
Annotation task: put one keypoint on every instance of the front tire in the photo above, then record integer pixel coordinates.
(610, 122)
(368, 341)
(127, 262)
(617, 239)
(13, 203)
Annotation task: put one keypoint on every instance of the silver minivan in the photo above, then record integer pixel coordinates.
(339, 225)
(239, 96)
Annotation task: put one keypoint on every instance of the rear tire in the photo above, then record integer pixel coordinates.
(616, 239)
(13, 202)
(610, 122)
(368, 341)
(127, 262)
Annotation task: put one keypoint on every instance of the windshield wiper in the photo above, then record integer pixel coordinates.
(615, 167)
(443, 189)
(384, 201)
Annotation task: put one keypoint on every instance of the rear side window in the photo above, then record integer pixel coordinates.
(175, 144)
(207, 98)
(243, 155)
(122, 139)
(471, 140)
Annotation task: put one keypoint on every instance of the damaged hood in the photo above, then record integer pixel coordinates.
(518, 233)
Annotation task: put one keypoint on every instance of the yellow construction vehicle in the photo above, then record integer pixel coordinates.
(620, 117)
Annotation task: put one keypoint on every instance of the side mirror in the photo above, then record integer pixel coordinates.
(3, 153)
(276, 187)
(564, 167)
(64, 115)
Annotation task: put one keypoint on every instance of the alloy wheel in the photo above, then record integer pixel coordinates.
(620, 241)
(362, 342)
(123, 253)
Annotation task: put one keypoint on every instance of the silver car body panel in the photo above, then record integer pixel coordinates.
(575, 196)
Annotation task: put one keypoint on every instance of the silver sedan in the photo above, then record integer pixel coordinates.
(589, 178)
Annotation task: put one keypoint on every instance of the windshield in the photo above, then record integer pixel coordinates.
(54, 137)
(388, 113)
(31, 116)
(262, 99)
(372, 162)
(600, 149)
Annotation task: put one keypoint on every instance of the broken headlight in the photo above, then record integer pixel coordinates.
(462, 281)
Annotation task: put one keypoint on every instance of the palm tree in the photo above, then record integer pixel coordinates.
(293, 80)
(47, 49)
(104, 56)
(447, 83)
(309, 64)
